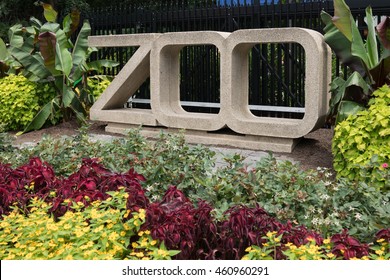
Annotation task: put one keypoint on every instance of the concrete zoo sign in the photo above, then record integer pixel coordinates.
(158, 57)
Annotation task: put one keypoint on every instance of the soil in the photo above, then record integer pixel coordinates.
(312, 151)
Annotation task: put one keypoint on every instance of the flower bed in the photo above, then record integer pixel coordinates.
(84, 200)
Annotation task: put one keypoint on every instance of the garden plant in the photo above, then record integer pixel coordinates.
(283, 212)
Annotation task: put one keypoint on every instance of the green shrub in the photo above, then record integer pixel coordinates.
(20, 100)
(361, 143)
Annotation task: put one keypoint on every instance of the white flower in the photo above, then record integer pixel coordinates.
(358, 216)
(312, 209)
(315, 221)
(335, 188)
(319, 211)
(328, 174)
(325, 196)
(327, 183)
(306, 217)
(155, 197)
(351, 208)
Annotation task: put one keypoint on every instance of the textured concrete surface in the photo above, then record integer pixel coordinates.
(159, 57)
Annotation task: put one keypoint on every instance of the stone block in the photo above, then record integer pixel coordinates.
(234, 97)
(109, 106)
(165, 80)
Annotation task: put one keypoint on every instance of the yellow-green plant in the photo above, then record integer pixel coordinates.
(309, 251)
(97, 84)
(361, 143)
(99, 231)
(268, 249)
(146, 248)
(21, 100)
(380, 250)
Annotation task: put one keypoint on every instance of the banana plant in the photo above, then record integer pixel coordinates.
(43, 52)
(369, 60)
(3, 58)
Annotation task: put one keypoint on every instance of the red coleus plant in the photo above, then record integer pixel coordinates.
(179, 224)
(18, 186)
(384, 234)
(91, 182)
(348, 247)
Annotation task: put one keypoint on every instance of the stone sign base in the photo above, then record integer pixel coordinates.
(250, 142)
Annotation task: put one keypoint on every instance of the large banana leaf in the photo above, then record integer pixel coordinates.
(341, 18)
(47, 47)
(372, 46)
(39, 120)
(33, 64)
(3, 57)
(15, 35)
(348, 108)
(353, 94)
(98, 65)
(380, 73)
(49, 13)
(71, 22)
(80, 49)
(67, 95)
(341, 45)
(36, 23)
(3, 50)
(63, 56)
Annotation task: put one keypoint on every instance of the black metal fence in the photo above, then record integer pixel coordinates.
(276, 71)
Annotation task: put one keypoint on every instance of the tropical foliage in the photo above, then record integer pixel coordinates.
(45, 53)
(370, 68)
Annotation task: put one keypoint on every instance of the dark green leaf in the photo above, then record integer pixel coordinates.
(80, 49)
(381, 72)
(98, 65)
(15, 35)
(341, 18)
(63, 56)
(3, 50)
(40, 119)
(348, 108)
(372, 46)
(67, 95)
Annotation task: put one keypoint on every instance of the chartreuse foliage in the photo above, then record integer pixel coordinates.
(361, 143)
(370, 67)
(97, 84)
(21, 100)
(100, 231)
